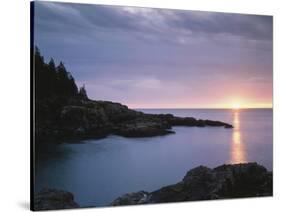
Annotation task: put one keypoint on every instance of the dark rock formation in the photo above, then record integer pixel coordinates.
(202, 183)
(52, 199)
(76, 119)
(131, 199)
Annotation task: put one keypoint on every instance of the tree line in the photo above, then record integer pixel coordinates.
(54, 81)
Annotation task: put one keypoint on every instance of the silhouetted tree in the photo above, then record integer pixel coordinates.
(38, 58)
(51, 77)
(52, 64)
(83, 92)
(51, 80)
(39, 74)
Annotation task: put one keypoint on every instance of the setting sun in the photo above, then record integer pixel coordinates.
(236, 105)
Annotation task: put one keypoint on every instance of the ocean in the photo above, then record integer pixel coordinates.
(98, 171)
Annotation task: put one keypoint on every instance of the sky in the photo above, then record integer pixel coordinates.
(159, 58)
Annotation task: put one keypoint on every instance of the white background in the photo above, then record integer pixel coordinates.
(15, 115)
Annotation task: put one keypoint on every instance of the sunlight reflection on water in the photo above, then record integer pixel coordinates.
(238, 153)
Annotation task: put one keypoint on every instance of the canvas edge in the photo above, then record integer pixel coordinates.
(32, 171)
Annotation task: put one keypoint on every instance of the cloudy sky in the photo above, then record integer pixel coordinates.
(156, 58)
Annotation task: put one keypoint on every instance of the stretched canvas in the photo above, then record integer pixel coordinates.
(134, 106)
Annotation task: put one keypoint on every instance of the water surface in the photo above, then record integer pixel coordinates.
(98, 171)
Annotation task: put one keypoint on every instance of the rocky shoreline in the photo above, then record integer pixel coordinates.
(200, 183)
(77, 119)
(53, 199)
(203, 183)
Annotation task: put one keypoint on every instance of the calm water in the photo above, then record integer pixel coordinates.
(98, 171)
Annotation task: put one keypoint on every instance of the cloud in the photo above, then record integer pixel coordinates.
(152, 54)
(248, 26)
(172, 25)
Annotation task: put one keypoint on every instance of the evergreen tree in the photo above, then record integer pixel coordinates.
(72, 86)
(61, 80)
(52, 77)
(38, 58)
(39, 74)
(83, 92)
(51, 80)
(52, 65)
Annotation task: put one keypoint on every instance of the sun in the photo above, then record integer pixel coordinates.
(236, 106)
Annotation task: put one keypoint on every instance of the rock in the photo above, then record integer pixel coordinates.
(189, 121)
(244, 180)
(203, 183)
(52, 199)
(143, 128)
(136, 198)
(200, 183)
(77, 119)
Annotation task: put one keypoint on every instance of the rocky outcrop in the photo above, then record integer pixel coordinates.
(53, 199)
(202, 183)
(131, 199)
(76, 119)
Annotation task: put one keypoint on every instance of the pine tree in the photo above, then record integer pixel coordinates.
(52, 77)
(83, 92)
(39, 74)
(52, 65)
(53, 81)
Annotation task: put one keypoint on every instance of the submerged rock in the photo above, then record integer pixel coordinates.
(203, 183)
(52, 199)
